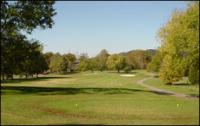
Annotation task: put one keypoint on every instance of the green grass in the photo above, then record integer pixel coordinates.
(181, 87)
(91, 98)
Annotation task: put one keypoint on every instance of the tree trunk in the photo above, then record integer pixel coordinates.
(118, 70)
(26, 76)
(36, 75)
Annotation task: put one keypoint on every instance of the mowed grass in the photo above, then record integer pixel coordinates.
(181, 87)
(91, 98)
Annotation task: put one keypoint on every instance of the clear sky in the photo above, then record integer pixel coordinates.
(88, 27)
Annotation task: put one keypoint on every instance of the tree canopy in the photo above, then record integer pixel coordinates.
(17, 52)
(116, 62)
(180, 45)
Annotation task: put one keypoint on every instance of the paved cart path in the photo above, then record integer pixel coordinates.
(163, 91)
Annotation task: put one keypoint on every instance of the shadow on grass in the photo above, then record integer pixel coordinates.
(63, 91)
(180, 84)
(161, 93)
(31, 79)
(68, 91)
(194, 95)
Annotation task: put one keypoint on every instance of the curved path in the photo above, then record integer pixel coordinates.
(164, 92)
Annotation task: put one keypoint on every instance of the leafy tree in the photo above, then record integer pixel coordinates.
(116, 62)
(83, 56)
(10, 62)
(37, 59)
(155, 63)
(58, 64)
(34, 61)
(194, 72)
(102, 59)
(92, 64)
(138, 59)
(41, 64)
(180, 41)
(71, 58)
(17, 17)
(171, 70)
(83, 62)
(83, 65)
(88, 64)
(26, 15)
(47, 57)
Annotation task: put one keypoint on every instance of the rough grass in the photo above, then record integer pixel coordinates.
(91, 98)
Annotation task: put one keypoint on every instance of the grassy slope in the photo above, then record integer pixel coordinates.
(85, 98)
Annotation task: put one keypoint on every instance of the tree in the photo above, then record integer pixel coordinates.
(41, 65)
(139, 58)
(58, 64)
(180, 41)
(11, 57)
(38, 62)
(102, 59)
(47, 57)
(71, 58)
(83, 56)
(155, 63)
(194, 72)
(34, 61)
(83, 62)
(92, 64)
(17, 17)
(26, 15)
(83, 65)
(116, 62)
(170, 70)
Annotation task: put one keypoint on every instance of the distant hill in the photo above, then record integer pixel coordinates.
(150, 52)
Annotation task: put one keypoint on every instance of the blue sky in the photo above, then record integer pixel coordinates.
(88, 27)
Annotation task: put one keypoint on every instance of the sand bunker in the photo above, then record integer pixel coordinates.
(127, 75)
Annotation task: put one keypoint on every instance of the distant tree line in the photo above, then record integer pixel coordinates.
(66, 63)
(178, 55)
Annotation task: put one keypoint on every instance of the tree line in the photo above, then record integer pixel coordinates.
(178, 55)
(67, 63)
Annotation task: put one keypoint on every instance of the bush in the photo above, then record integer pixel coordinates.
(127, 69)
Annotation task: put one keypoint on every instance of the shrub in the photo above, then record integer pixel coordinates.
(127, 69)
